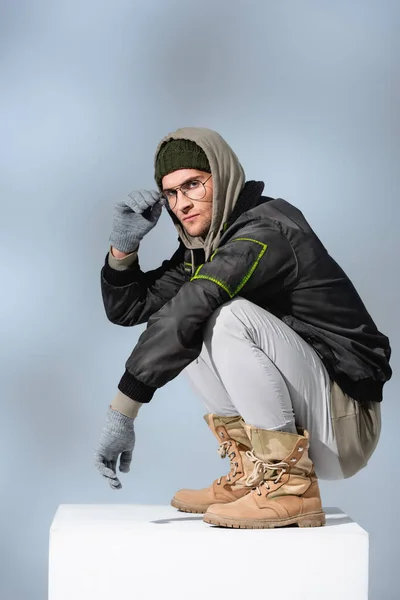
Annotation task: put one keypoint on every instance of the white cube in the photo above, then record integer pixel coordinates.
(128, 552)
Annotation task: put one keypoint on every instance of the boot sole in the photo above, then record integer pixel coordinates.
(307, 520)
(188, 508)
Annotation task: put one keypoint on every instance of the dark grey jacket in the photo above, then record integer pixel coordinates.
(269, 255)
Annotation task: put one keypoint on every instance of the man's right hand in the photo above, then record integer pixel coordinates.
(133, 217)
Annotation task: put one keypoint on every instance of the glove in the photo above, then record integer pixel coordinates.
(117, 438)
(133, 217)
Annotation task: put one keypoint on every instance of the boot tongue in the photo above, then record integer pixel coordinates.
(234, 427)
(274, 447)
(272, 473)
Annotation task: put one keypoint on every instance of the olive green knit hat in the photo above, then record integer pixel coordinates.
(180, 154)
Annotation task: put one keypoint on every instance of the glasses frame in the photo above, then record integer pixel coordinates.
(177, 188)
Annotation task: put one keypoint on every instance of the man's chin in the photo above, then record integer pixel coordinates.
(193, 231)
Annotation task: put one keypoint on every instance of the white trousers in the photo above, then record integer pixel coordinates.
(254, 365)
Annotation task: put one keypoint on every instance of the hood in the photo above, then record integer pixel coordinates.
(228, 181)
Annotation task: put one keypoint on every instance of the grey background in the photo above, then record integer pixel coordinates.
(307, 94)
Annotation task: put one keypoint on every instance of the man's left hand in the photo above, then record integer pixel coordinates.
(117, 442)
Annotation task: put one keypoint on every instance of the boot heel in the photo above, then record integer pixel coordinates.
(312, 520)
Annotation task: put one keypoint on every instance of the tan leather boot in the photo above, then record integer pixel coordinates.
(234, 443)
(289, 493)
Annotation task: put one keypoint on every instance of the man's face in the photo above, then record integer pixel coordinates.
(194, 214)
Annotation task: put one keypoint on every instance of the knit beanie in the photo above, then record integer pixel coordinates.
(180, 154)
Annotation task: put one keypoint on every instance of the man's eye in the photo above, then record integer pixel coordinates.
(170, 194)
(191, 185)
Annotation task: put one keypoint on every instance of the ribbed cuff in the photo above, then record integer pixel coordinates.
(120, 278)
(135, 389)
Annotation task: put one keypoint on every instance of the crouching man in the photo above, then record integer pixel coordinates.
(271, 332)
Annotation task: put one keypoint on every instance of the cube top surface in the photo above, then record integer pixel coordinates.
(149, 519)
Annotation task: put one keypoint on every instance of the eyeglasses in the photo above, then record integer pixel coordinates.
(194, 189)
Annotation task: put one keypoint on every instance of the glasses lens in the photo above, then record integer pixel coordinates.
(170, 201)
(194, 189)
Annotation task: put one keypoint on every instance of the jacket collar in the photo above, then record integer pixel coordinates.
(249, 197)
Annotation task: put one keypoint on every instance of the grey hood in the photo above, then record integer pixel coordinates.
(228, 181)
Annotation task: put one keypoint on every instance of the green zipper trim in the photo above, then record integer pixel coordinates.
(245, 279)
(213, 254)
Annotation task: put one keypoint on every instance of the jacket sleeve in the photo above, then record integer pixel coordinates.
(131, 296)
(257, 263)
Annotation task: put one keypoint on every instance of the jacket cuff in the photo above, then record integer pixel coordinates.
(119, 278)
(135, 389)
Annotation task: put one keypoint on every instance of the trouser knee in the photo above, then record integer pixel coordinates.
(226, 318)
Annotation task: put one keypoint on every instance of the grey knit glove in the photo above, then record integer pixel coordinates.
(117, 439)
(133, 217)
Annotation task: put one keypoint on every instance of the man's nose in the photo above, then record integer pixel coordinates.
(182, 201)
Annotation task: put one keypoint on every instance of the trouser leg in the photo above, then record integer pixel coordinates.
(254, 365)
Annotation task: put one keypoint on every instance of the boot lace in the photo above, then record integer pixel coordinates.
(261, 468)
(223, 451)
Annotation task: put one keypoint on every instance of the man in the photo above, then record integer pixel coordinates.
(269, 329)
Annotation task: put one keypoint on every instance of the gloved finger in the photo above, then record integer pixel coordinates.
(152, 214)
(150, 197)
(156, 212)
(156, 195)
(115, 484)
(135, 202)
(140, 200)
(145, 199)
(110, 475)
(104, 469)
(125, 461)
(103, 465)
(100, 462)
